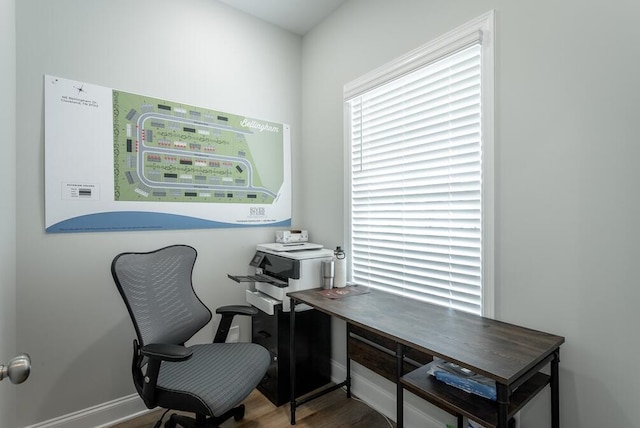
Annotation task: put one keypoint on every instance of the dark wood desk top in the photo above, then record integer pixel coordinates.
(495, 349)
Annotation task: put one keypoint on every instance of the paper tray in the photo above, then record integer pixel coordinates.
(263, 302)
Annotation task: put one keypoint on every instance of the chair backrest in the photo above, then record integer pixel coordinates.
(157, 289)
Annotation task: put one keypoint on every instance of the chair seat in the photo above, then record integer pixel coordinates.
(219, 375)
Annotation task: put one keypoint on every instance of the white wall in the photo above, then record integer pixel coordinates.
(71, 318)
(8, 207)
(567, 193)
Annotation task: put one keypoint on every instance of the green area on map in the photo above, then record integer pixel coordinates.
(170, 152)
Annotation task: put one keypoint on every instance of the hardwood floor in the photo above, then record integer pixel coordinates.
(329, 411)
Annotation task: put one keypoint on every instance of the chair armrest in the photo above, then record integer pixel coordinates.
(228, 312)
(166, 352)
(157, 353)
(237, 310)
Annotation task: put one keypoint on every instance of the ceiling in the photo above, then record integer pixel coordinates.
(297, 16)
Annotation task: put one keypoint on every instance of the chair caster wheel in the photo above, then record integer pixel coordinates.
(170, 423)
(238, 414)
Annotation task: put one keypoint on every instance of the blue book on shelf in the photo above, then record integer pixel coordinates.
(467, 384)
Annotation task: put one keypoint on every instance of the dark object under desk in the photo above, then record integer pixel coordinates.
(313, 359)
(511, 355)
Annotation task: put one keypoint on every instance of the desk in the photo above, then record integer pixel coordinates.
(509, 354)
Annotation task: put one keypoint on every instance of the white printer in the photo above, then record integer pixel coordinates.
(281, 269)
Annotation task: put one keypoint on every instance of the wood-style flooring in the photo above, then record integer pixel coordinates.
(332, 410)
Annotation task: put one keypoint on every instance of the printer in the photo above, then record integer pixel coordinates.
(281, 269)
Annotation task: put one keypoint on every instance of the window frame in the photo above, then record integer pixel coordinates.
(481, 29)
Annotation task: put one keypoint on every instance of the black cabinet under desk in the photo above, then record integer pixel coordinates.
(313, 352)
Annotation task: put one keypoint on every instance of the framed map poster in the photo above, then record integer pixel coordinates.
(117, 161)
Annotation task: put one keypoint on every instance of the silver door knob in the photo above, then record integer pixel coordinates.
(17, 370)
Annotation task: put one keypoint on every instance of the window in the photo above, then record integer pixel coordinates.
(420, 199)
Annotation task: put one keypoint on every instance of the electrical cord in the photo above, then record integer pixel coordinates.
(159, 423)
(375, 410)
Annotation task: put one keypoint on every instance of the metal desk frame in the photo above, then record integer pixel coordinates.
(509, 354)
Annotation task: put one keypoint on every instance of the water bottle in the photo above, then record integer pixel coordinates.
(340, 268)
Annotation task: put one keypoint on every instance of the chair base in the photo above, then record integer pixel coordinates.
(202, 421)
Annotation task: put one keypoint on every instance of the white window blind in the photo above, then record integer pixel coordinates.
(416, 182)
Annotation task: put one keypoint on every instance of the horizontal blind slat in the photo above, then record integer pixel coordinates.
(416, 197)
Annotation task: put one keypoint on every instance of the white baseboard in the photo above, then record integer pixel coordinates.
(100, 416)
(374, 390)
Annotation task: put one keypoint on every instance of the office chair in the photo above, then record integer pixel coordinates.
(210, 380)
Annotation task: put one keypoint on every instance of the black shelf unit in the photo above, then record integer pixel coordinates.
(313, 352)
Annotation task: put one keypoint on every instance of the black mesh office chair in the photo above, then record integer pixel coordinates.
(209, 380)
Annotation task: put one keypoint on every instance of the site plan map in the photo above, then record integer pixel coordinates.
(167, 162)
(175, 153)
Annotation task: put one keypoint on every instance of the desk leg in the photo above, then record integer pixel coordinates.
(555, 391)
(399, 390)
(292, 359)
(348, 379)
(502, 392)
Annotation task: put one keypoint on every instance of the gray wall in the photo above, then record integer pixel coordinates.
(70, 316)
(8, 207)
(566, 140)
(567, 199)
